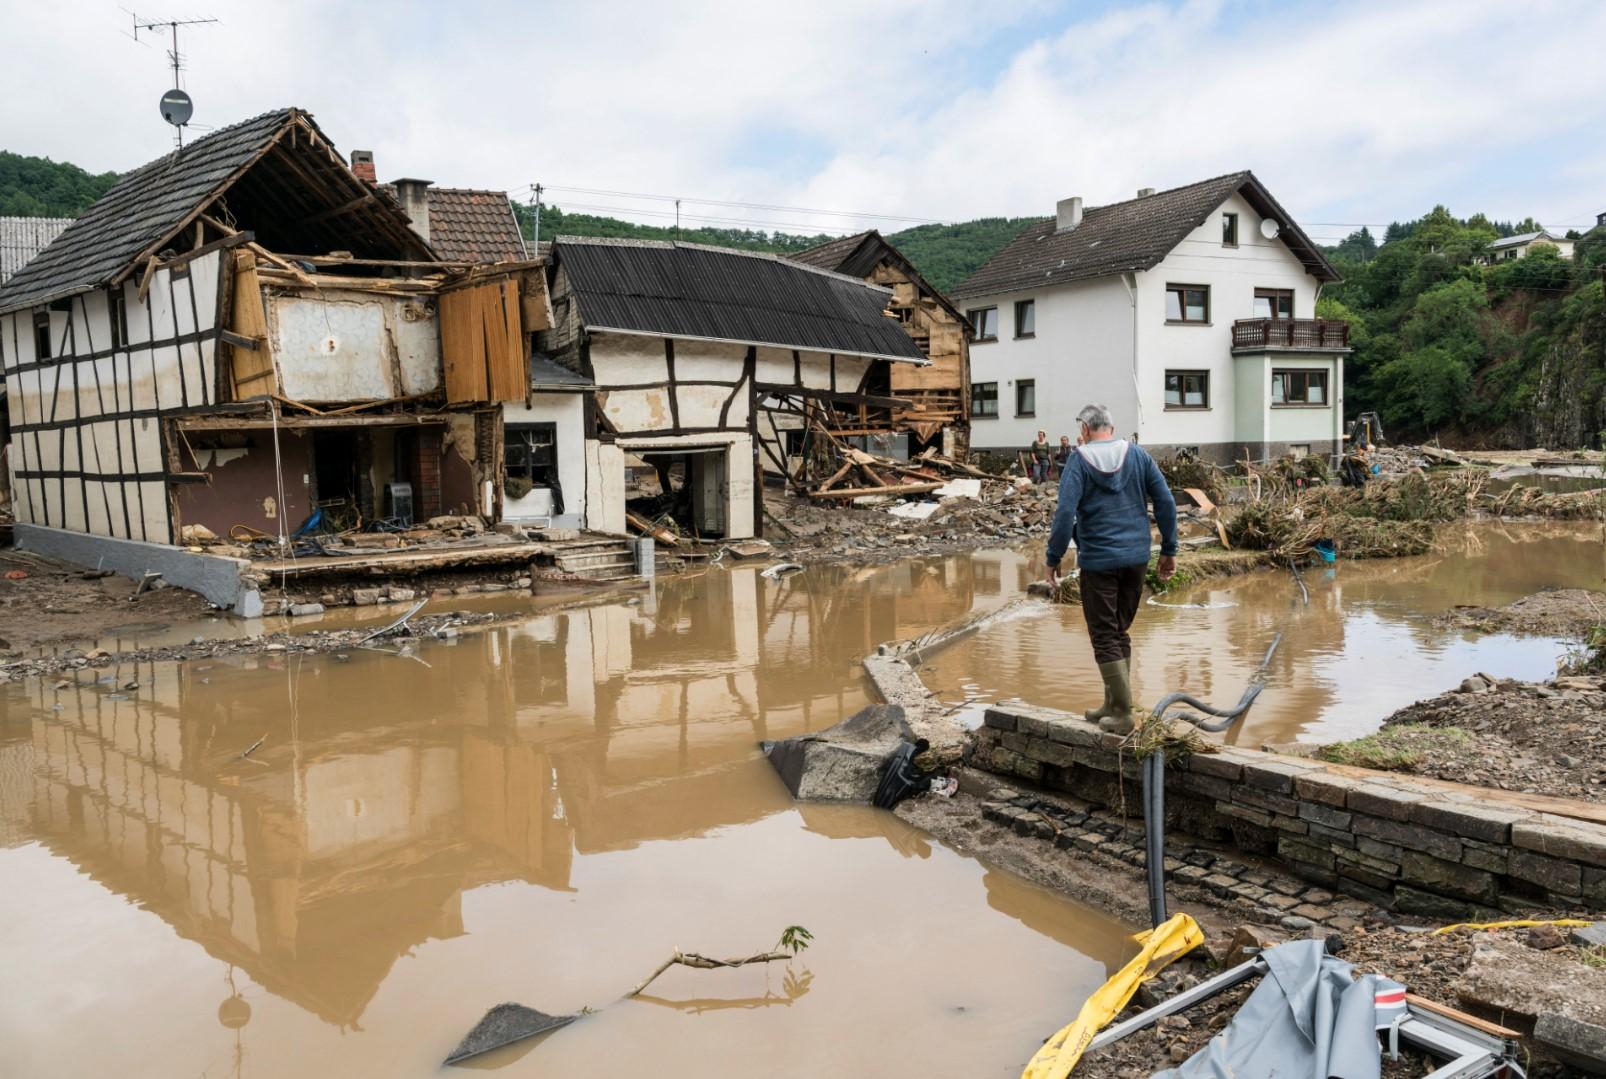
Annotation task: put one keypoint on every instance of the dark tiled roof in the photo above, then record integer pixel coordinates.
(859, 254)
(1129, 236)
(473, 226)
(140, 209)
(689, 290)
(831, 254)
(547, 375)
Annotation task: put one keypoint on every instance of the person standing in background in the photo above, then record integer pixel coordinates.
(1042, 454)
(1062, 456)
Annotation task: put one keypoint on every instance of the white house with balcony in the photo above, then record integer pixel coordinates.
(1189, 312)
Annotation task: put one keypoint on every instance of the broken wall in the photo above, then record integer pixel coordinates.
(243, 487)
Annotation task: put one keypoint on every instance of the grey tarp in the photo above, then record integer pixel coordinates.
(1309, 1018)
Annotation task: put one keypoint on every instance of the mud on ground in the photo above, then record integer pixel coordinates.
(1534, 737)
(43, 601)
(1567, 612)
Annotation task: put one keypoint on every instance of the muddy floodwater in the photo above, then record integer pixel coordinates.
(542, 811)
(1363, 646)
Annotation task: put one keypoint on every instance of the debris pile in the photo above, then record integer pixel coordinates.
(1379, 520)
(1521, 500)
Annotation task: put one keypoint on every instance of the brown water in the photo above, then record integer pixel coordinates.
(542, 811)
(1364, 647)
(538, 813)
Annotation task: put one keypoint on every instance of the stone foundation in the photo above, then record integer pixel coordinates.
(1411, 846)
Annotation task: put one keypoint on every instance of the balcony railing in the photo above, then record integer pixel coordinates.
(1310, 333)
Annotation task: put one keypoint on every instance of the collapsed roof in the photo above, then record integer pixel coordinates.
(859, 254)
(670, 289)
(1131, 236)
(275, 175)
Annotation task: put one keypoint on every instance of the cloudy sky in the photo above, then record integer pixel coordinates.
(945, 110)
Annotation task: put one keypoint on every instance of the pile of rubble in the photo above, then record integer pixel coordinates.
(442, 531)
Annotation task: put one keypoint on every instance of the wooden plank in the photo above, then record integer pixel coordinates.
(861, 492)
(1494, 1030)
(248, 319)
(509, 375)
(647, 528)
(461, 346)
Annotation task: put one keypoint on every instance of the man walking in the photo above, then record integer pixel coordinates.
(1104, 492)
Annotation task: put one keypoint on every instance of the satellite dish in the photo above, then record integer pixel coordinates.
(177, 108)
(1269, 228)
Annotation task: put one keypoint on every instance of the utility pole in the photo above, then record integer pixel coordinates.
(535, 209)
(677, 219)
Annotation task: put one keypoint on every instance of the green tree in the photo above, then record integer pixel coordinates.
(40, 187)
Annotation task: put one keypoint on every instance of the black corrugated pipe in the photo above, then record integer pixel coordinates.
(1154, 775)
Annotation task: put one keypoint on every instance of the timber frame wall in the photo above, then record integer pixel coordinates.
(90, 451)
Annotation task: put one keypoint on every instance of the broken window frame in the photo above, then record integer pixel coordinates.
(985, 322)
(1182, 378)
(984, 394)
(514, 439)
(1276, 309)
(1178, 294)
(1284, 379)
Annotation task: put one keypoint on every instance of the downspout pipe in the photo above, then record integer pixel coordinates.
(1130, 280)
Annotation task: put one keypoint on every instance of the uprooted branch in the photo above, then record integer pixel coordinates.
(795, 939)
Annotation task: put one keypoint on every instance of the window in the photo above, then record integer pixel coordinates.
(531, 458)
(984, 400)
(1187, 389)
(985, 320)
(41, 335)
(1026, 397)
(1299, 387)
(1274, 303)
(1025, 318)
(119, 316)
(1229, 230)
(1187, 303)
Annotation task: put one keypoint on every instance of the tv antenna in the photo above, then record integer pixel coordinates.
(175, 105)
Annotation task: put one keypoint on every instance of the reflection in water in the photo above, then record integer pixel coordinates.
(539, 812)
(1364, 647)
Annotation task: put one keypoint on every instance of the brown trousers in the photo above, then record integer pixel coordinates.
(1110, 600)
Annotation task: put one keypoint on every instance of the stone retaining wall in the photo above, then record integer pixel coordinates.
(1411, 846)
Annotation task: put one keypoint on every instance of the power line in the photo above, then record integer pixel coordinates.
(745, 205)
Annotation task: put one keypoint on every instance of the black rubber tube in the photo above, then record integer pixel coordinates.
(1154, 832)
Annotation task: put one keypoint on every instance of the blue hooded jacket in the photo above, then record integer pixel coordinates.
(1103, 496)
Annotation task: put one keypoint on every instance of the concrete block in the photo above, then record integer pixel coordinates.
(1468, 819)
(1589, 936)
(1380, 867)
(1035, 726)
(365, 597)
(1246, 813)
(1384, 802)
(1451, 878)
(1579, 1042)
(1210, 786)
(1553, 874)
(1326, 815)
(1409, 900)
(1273, 775)
(1261, 798)
(1028, 769)
(1289, 825)
(302, 610)
(1574, 840)
(998, 720)
(1412, 836)
(1322, 786)
(1220, 765)
(1293, 849)
(1072, 733)
(1496, 858)
(1333, 837)
(1060, 756)
(842, 763)
(1595, 887)
(400, 595)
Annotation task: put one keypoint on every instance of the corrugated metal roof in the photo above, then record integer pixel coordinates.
(714, 293)
(1525, 238)
(1129, 236)
(21, 238)
(139, 210)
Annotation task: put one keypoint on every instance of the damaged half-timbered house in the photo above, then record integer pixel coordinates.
(246, 332)
(937, 415)
(713, 368)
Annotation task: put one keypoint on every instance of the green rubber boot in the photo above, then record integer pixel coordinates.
(1119, 720)
(1107, 671)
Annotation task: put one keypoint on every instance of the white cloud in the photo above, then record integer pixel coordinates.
(1349, 112)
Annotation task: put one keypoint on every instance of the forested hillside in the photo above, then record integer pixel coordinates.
(1512, 354)
(40, 187)
(945, 254)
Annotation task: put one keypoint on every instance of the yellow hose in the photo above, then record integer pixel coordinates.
(1566, 923)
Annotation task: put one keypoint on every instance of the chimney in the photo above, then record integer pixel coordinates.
(1145, 192)
(1068, 213)
(362, 163)
(414, 198)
